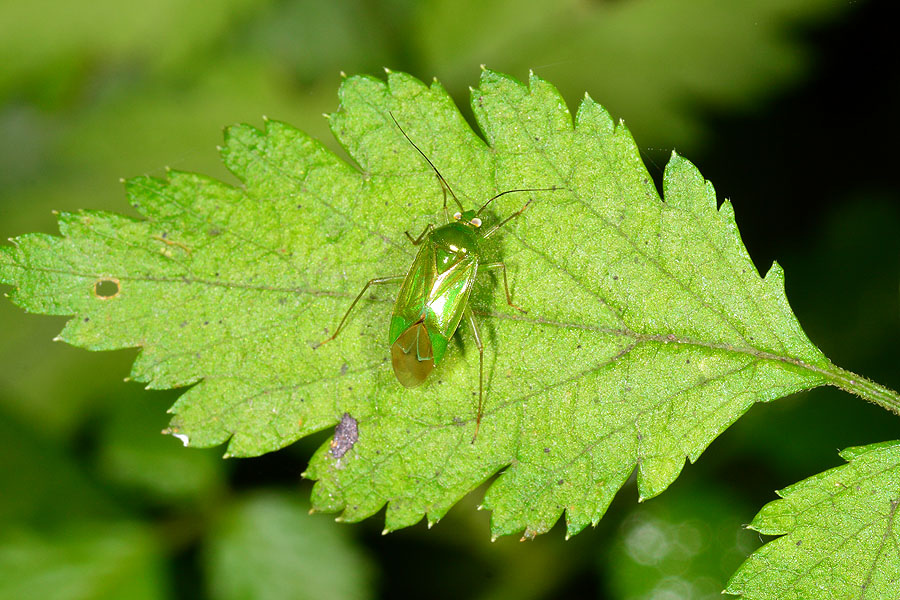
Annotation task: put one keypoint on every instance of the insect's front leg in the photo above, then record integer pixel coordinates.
(494, 229)
(470, 317)
(416, 241)
(376, 281)
(500, 265)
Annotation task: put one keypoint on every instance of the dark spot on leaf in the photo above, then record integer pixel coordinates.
(183, 324)
(86, 319)
(546, 450)
(206, 322)
(299, 206)
(214, 231)
(344, 368)
(345, 435)
(799, 542)
(457, 421)
(615, 277)
(106, 288)
(687, 361)
(165, 234)
(578, 347)
(560, 482)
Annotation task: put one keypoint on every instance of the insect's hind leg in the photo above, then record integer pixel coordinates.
(376, 281)
(470, 317)
(501, 265)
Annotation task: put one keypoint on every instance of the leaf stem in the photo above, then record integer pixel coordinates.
(866, 389)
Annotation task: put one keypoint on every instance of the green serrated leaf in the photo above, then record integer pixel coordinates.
(648, 329)
(839, 537)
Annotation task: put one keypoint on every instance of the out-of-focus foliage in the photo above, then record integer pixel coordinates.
(685, 546)
(90, 93)
(267, 547)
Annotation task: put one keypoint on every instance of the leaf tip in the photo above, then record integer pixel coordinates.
(182, 437)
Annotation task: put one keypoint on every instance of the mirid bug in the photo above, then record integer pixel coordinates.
(434, 295)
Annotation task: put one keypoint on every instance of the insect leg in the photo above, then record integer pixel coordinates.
(493, 229)
(471, 318)
(376, 281)
(418, 240)
(500, 265)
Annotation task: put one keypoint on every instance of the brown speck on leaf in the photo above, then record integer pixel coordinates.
(345, 435)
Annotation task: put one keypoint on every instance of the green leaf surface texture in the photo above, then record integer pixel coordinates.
(839, 534)
(648, 329)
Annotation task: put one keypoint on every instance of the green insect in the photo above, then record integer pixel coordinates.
(434, 296)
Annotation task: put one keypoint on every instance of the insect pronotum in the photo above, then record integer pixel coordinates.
(434, 295)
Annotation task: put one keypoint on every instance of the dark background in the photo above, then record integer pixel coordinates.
(788, 107)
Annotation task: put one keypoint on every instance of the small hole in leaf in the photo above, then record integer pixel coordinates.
(106, 288)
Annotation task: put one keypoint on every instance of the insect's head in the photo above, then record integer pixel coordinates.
(467, 218)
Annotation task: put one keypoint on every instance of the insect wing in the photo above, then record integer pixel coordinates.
(412, 356)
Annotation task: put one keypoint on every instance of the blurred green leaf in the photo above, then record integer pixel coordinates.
(665, 335)
(42, 484)
(134, 455)
(267, 547)
(83, 561)
(658, 63)
(46, 45)
(683, 545)
(839, 536)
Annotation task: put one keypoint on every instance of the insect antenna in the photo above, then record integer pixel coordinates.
(441, 177)
(549, 189)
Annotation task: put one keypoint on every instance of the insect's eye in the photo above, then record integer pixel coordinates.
(476, 222)
(457, 216)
